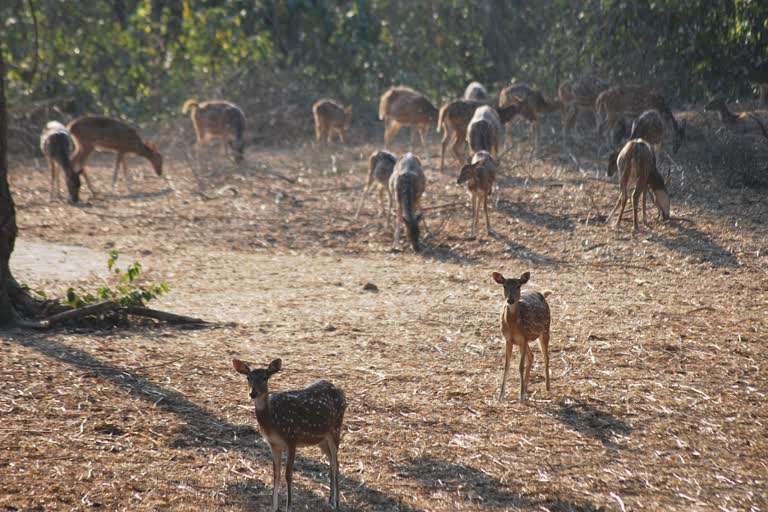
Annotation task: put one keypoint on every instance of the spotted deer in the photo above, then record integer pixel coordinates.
(525, 317)
(218, 119)
(56, 144)
(106, 134)
(743, 123)
(453, 119)
(577, 95)
(406, 186)
(381, 163)
(289, 419)
(479, 175)
(619, 101)
(485, 131)
(403, 106)
(476, 92)
(636, 164)
(330, 116)
(533, 105)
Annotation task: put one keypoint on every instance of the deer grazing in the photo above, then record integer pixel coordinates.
(743, 123)
(525, 316)
(619, 101)
(576, 95)
(107, 134)
(476, 92)
(406, 186)
(330, 116)
(380, 166)
(56, 144)
(479, 175)
(403, 106)
(485, 131)
(532, 105)
(636, 164)
(453, 119)
(221, 120)
(306, 417)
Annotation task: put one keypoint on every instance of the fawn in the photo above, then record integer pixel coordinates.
(406, 186)
(381, 163)
(524, 317)
(637, 164)
(479, 175)
(306, 417)
(218, 119)
(56, 144)
(330, 116)
(105, 133)
(403, 106)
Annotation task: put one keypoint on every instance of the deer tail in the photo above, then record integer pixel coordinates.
(547, 293)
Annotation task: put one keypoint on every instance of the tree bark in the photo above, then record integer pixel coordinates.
(8, 228)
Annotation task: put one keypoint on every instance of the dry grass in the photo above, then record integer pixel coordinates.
(658, 397)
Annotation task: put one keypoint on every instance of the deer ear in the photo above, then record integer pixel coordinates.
(152, 146)
(525, 277)
(498, 278)
(241, 367)
(274, 366)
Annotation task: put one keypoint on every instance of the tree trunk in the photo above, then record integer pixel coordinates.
(7, 213)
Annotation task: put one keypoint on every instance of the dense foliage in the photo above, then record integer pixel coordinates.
(138, 58)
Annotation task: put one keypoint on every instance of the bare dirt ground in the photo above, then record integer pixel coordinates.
(658, 397)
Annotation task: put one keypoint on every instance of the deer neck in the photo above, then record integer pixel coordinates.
(263, 412)
(511, 313)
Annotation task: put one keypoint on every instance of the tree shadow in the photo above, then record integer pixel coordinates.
(526, 213)
(588, 420)
(205, 429)
(477, 487)
(524, 253)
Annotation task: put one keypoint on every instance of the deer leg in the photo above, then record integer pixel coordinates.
(487, 220)
(289, 474)
(423, 134)
(473, 231)
(389, 207)
(443, 144)
(458, 149)
(341, 136)
(331, 450)
(398, 221)
(277, 460)
(117, 170)
(362, 198)
(54, 179)
(528, 367)
(381, 201)
(318, 134)
(127, 175)
(544, 340)
(615, 207)
(645, 197)
(507, 357)
(523, 359)
(623, 200)
(635, 205)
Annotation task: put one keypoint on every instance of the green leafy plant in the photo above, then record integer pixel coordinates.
(126, 290)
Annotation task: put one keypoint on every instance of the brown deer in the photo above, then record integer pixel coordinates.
(403, 106)
(218, 119)
(479, 175)
(620, 101)
(650, 127)
(757, 74)
(636, 164)
(406, 186)
(476, 92)
(306, 417)
(107, 134)
(743, 123)
(533, 105)
(56, 144)
(525, 316)
(381, 163)
(453, 119)
(330, 116)
(485, 131)
(576, 95)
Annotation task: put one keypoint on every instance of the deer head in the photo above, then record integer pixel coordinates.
(258, 378)
(512, 286)
(155, 157)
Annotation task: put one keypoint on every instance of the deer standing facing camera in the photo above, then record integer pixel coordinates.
(305, 417)
(524, 317)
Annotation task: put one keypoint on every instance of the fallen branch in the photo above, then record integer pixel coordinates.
(164, 316)
(73, 314)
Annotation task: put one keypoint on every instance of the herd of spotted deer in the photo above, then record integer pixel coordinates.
(314, 415)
